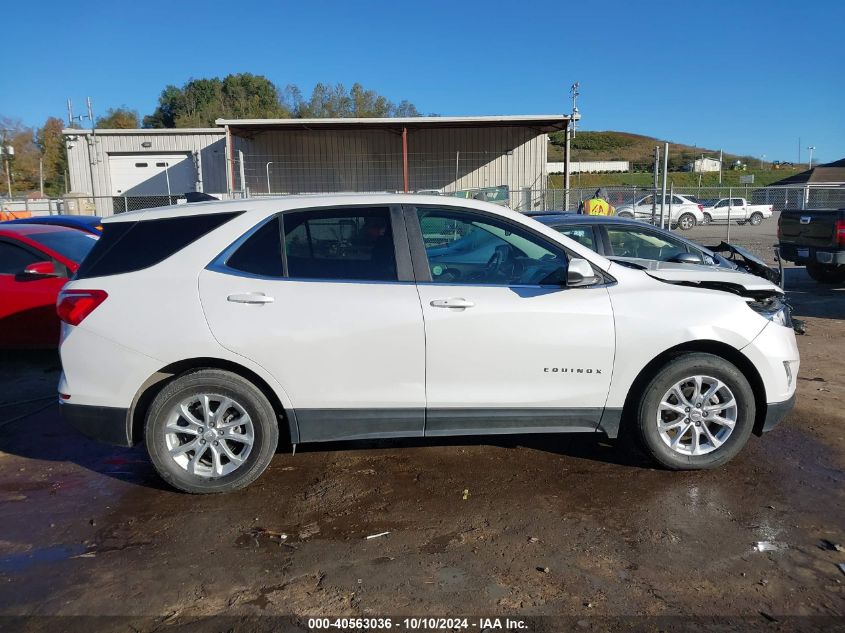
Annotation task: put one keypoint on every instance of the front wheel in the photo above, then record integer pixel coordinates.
(625, 214)
(756, 219)
(707, 219)
(826, 273)
(696, 413)
(686, 221)
(211, 431)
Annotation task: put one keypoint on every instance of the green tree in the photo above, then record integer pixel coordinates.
(338, 102)
(54, 156)
(200, 101)
(24, 166)
(121, 118)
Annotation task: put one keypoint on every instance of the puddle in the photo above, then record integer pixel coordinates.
(53, 554)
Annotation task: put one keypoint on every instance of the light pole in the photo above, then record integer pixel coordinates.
(811, 148)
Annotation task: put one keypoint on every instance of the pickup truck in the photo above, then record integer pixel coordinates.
(816, 238)
(736, 210)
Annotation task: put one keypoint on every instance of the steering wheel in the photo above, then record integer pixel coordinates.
(501, 256)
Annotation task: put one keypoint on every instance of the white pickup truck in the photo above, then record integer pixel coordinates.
(736, 210)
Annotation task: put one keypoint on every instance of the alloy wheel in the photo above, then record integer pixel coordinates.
(697, 415)
(209, 435)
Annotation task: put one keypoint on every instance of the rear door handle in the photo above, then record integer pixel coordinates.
(454, 302)
(250, 297)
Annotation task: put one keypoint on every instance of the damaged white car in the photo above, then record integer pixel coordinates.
(222, 329)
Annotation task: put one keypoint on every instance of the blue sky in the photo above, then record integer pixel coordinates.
(750, 77)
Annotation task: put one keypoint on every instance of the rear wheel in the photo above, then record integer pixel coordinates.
(211, 431)
(697, 412)
(686, 221)
(756, 219)
(625, 214)
(826, 273)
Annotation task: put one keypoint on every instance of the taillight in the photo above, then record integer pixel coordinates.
(74, 305)
(701, 207)
(840, 232)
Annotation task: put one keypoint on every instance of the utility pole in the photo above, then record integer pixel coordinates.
(799, 151)
(654, 192)
(569, 133)
(41, 174)
(7, 152)
(665, 170)
(811, 148)
(721, 161)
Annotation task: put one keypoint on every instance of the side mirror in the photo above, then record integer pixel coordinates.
(580, 273)
(39, 269)
(686, 258)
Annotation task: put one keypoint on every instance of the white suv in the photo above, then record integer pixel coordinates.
(214, 330)
(679, 210)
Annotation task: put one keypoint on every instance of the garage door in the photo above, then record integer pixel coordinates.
(152, 174)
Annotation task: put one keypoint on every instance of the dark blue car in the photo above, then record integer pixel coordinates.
(88, 223)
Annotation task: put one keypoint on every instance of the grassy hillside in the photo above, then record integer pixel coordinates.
(762, 177)
(638, 150)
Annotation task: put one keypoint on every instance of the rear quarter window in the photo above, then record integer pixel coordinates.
(130, 246)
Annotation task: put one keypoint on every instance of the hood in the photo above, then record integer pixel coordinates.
(734, 281)
(748, 261)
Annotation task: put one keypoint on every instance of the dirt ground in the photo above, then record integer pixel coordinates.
(519, 526)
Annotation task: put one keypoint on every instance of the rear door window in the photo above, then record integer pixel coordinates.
(261, 252)
(584, 235)
(340, 244)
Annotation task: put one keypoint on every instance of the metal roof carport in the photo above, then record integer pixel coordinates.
(383, 154)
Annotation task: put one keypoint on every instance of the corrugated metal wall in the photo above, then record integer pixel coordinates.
(315, 161)
(210, 144)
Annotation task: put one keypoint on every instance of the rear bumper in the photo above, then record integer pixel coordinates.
(105, 424)
(789, 252)
(775, 413)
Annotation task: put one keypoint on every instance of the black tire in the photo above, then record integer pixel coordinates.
(687, 365)
(708, 219)
(265, 430)
(687, 219)
(826, 273)
(625, 214)
(756, 219)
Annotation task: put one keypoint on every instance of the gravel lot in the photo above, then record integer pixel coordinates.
(570, 526)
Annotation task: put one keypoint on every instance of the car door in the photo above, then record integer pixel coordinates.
(719, 211)
(509, 348)
(324, 300)
(739, 210)
(28, 309)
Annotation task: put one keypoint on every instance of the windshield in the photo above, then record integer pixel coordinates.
(74, 245)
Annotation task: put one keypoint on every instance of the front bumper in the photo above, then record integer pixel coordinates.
(105, 424)
(775, 413)
(789, 252)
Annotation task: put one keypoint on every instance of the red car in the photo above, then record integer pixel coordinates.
(35, 262)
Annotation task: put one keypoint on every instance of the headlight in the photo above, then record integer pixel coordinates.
(774, 308)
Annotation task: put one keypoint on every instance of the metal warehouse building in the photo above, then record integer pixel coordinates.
(495, 157)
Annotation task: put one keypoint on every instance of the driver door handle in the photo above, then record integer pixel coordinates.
(454, 302)
(250, 297)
